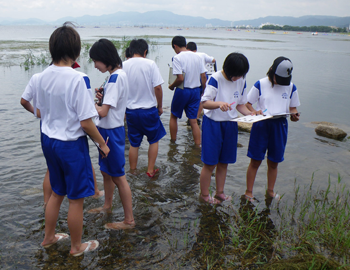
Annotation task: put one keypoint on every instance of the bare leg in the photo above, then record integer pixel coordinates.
(98, 193)
(205, 180)
(220, 177)
(173, 127)
(251, 174)
(51, 215)
(126, 198)
(152, 156)
(133, 157)
(47, 188)
(196, 132)
(271, 177)
(109, 191)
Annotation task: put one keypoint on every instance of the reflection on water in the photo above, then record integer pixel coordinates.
(173, 229)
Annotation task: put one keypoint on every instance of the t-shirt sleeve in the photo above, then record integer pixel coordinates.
(253, 95)
(28, 93)
(208, 59)
(81, 100)
(243, 96)
(177, 69)
(211, 90)
(112, 91)
(294, 97)
(156, 76)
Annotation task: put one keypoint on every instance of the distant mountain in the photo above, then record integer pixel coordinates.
(167, 18)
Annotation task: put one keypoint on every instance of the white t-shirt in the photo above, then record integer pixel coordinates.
(115, 95)
(220, 89)
(143, 75)
(205, 58)
(30, 92)
(275, 100)
(192, 65)
(64, 99)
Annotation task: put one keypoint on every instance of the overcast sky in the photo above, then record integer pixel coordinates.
(232, 10)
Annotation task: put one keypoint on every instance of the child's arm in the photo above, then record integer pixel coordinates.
(27, 105)
(158, 91)
(90, 128)
(102, 110)
(249, 106)
(295, 115)
(179, 80)
(203, 81)
(243, 109)
(212, 105)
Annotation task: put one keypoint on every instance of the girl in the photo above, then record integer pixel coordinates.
(111, 126)
(224, 94)
(275, 95)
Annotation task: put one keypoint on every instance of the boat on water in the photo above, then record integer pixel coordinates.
(314, 33)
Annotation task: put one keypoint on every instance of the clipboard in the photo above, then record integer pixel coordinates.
(173, 77)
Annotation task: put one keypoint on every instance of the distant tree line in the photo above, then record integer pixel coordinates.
(325, 29)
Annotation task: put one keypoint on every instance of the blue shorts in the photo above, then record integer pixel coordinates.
(70, 167)
(270, 135)
(186, 99)
(219, 141)
(144, 122)
(114, 164)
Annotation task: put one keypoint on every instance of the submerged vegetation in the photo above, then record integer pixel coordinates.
(43, 58)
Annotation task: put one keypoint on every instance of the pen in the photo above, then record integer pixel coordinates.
(107, 140)
(232, 103)
(264, 111)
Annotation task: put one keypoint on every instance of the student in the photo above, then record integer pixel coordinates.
(127, 53)
(192, 46)
(110, 124)
(187, 99)
(30, 94)
(274, 95)
(145, 104)
(224, 95)
(66, 111)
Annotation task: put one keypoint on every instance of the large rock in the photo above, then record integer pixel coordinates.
(330, 131)
(246, 127)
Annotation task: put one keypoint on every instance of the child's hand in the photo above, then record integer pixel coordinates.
(105, 150)
(294, 117)
(171, 87)
(224, 106)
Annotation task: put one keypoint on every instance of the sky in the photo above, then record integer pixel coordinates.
(231, 10)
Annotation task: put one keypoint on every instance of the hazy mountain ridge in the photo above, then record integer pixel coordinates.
(167, 18)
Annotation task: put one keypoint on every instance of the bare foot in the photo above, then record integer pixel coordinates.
(100, 210)
(208, 199)
(98, 194)
(58, 237)
(120, 225)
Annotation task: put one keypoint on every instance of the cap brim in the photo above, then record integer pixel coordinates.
(282, 80)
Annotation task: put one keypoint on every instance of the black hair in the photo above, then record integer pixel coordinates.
(105, 52)
(138, 46)
(180, 41)
(271, 75)
(64, 43)
(127, 53)
(191, 46)
(235, 65)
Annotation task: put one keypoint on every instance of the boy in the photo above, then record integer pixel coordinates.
(66, 113)
(187, 99)
(145, 104)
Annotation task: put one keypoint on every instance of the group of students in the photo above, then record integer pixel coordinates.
(62, 100)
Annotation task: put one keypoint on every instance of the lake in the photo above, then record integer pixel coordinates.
(169, 218)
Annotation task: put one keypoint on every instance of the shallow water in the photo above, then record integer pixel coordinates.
(171, 224)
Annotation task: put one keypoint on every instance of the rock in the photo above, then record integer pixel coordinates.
(246, 127)
(330, 131)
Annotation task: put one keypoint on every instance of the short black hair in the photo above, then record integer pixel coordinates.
(127, 53)
(179, 41)
(105, 52)
(191, 46)
(235, 65)
(64, 43)
(138, 46)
